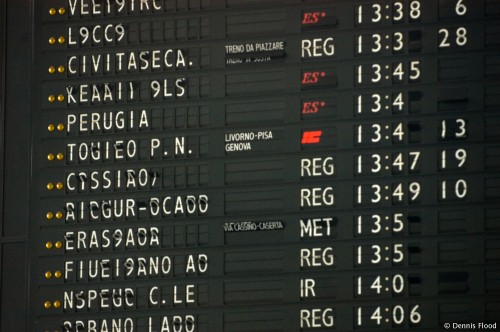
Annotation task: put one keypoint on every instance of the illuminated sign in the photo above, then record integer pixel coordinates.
(246, 165)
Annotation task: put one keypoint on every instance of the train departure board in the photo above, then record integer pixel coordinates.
(250, 165)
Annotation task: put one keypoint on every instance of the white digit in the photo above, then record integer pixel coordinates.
(398, 192)
(398, 102)
(360, 14)
(359, 286)
(377, 220)
(398, 254)
(378, 45)
(121, 4)
(377, 255)
(415, 316)
(444, 42)
(376, 285)
(360, 104)
(360, 74)
(84, 33)
(415, 190)
(399, 132)
(360, 44)
(378, 76)
(461, 188)
(443, 129)
(398, 283)
(398, 219)
(461, 156)
(377, 196)
(120, 31)
(377, 133)
(461, 8)
(398, 6)
(376, 162)
(376, 103)
(399, 71)
(360, 134)
(443, 190)
(414, 156)
(156, 88)
(376, 316)
(398, 314)
(415, 10)
(398, 41)
(461, 36)
(462, 127)
(398, 162)
(377, 12)
(360, 164)
(414, 70)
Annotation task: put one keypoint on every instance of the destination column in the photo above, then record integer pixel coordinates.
(120, 184)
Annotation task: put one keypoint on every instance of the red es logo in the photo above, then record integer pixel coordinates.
(312, 107)
(312, 77)
(312, 17)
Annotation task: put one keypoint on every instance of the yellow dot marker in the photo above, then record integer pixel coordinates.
(61, 69)
(59, 185)
(52, 98)
(60, 127)
(50, 186)
(52, 11)
(52, 69)
(48, 275)
(61, 40)
(48, 245)
(60, 98)
(49, 215)
(52, 40)
(62, 10)
(50, 156)
(59, 215)
(58, 274)
(57, 304)
(47, 304)
(60, 156)
(51, 127)
(59, 245)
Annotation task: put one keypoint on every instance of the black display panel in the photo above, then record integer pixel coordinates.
(246, 165)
